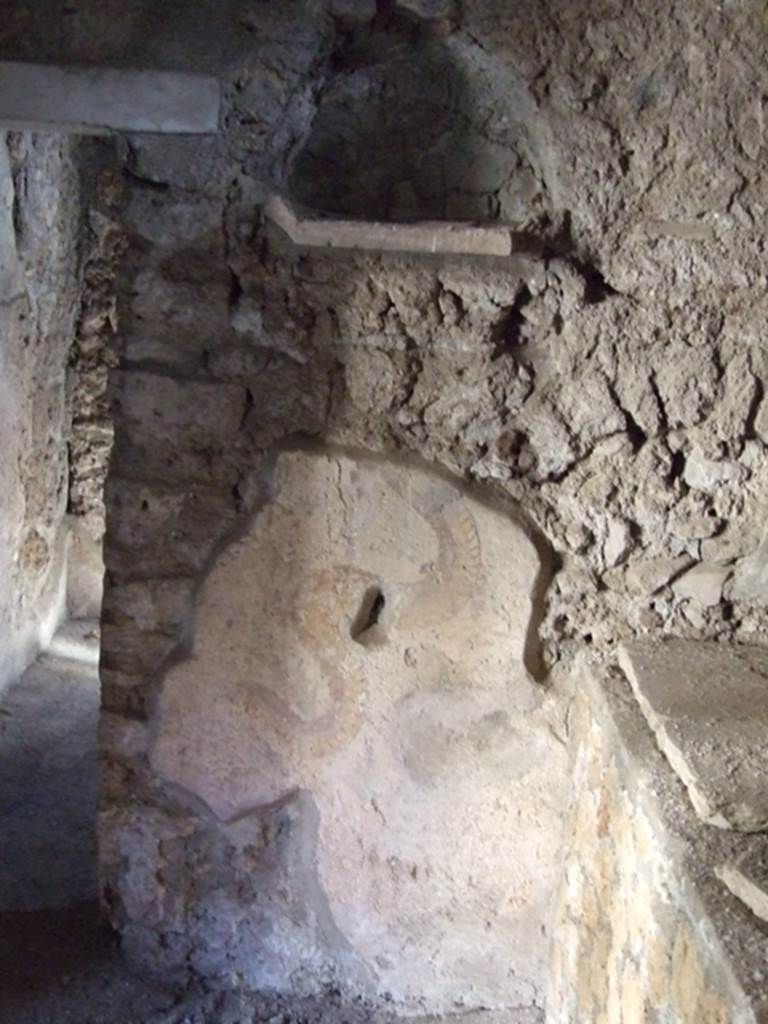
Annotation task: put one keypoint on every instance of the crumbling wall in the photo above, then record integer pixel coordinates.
(91, 432)
(610, 390)
(39, 215)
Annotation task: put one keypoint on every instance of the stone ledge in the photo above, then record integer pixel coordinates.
(424, 237)
(100, 100)
(706, 705)
(747, 878)
(733, 935)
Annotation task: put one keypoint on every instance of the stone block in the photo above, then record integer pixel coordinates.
(430, 10)
(351, 13)
(703, 584)
(708, 475)
(707, 706)
(750, 577)
(125, 694)
(747, 877)
(172, 306)
(85, 571)
(100, 100)
(427, 237)
(130, 649)
(193, 413)
(11, 277)
(164, 531)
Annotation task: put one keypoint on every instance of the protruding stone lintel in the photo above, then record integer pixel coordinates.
(88, 100)
(424, 237)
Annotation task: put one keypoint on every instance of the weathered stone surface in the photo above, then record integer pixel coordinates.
(363, 642)
(354, 12)
(39, 220)
(164, 408)
(614, 392)
(101, 99)
(706, 704)
(643, 578)
(85, 571)
(430, 9)
(77, 640)
(11, 282)
(702, 584)
(376, 236)
(750, 577)
(747, 878)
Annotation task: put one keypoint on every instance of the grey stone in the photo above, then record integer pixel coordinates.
(48, 778)
(185, 411)
(706, 704)
(11, 280)
(377, 236)
(430, 10)
(39, 300)
(103, 99)
(77, 640)
(644, 578)
(747, 877)
(708, 474)
(703, 584)
(354, 12)
(412, 706)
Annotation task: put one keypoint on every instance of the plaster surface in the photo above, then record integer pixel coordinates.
(362, 642)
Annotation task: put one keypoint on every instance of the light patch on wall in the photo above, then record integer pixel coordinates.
(363, 641)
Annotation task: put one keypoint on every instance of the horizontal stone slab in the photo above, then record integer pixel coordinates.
(706, 703)
(423, 237)
(101, 100)
(747, 877)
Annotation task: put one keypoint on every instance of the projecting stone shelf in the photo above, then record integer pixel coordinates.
(97, 101)
(747, 878)
(423, 237)
(706, 704)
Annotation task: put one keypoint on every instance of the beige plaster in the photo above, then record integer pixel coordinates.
(423, 741)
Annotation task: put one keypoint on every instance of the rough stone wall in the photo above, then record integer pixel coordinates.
(632, 942)
(39, 301)
(611, 390)
(91, 431)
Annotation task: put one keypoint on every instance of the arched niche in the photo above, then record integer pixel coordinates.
(411, 126)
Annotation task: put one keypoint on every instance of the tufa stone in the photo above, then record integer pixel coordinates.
(707, 707)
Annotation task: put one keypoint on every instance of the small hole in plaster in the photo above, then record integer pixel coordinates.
(363, 630)
(677, 467)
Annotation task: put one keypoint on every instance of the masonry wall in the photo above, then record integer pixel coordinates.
(607, 386)
(39, 306)
(633, 937)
